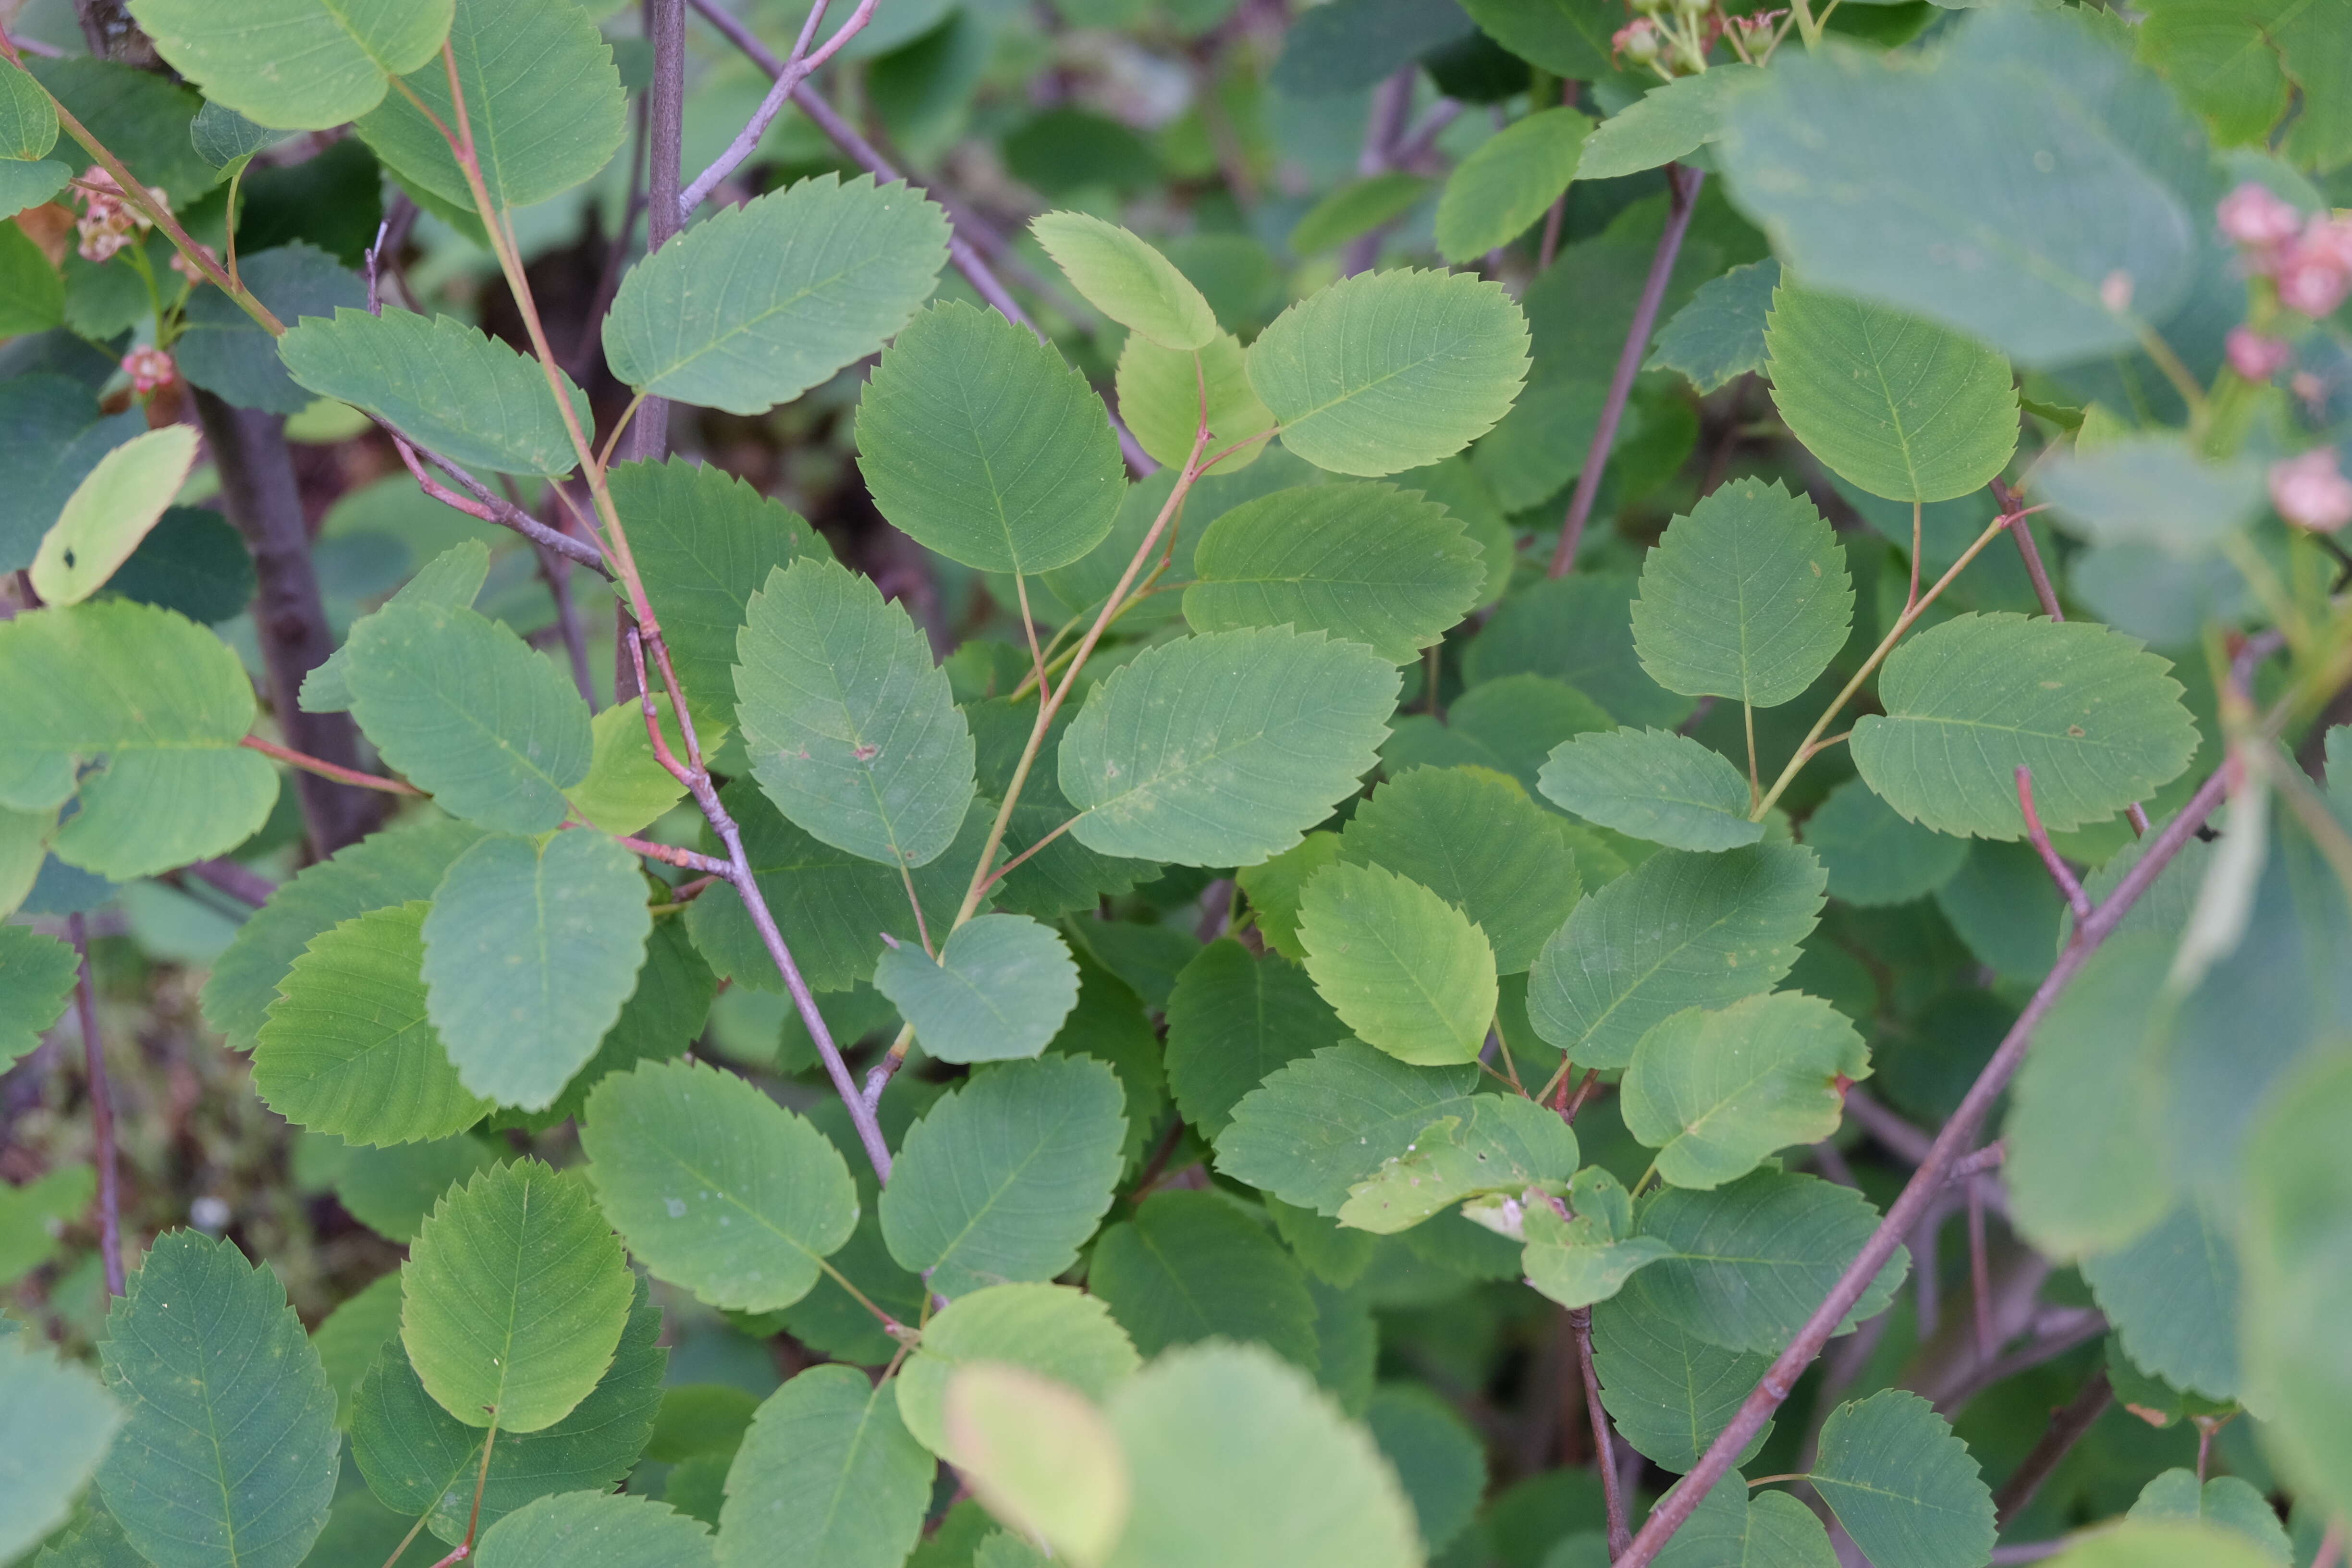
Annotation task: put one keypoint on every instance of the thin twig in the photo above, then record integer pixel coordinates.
(101, 1109)
(246, 887)
(310, 764)
(1604, 1447)
(796, 69)
(1980, 1274)
(2076, 900)
(1683, 185)
(1926, 1183)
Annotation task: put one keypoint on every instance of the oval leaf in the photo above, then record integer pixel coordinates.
(1653, 785)
(1127, 279)
(110, 511)
(1405, 970)
(1000, 989)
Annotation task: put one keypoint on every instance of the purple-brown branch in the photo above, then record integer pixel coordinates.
(1604, 1447)
(1926, 1183)
(101, 1111)
(2076, 900)
(1683, 185)
(2067, 1425)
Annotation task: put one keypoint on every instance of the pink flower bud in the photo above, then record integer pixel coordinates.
(2313, 280)
(189, 269)
(2253, 216)
(2256, 357)
(149, 368)
(2310, 492)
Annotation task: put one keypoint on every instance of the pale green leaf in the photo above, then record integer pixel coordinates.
(1898, 405)
(1356, 209)
(1388, 370)
(421, 1460)
(1715, 1092)
(530, 950)
(350, 1338)
(1038, 1455)
(1274, 886)
(595, 1530)
(852, 730)
(451, 580)
(1474, 838)
(998, 991)
(1719, 335)
(163, 702)
(715, 1186)
(56, 1424)
(2098, 720)
(2298, 1252)
(304, 65)
(1507, 183)
(1319, 1126)
(1873, 856)
(760, 302)
(1224, 749)
(2174, 1295)
(1190, 1266)
(513, 1297)
(1232, 1020)
(1238, 1461)
(1408, 971)
(1753, 1259)
(1001, 1179)
(1504, 1144)
(1671, 120)
(228, 1453)
(1670, 1394)
(1127, 279)
(24, 851)
(1054, 1331)
(1746, 598)
(627, 788)
(110, 511)
(441, 383)
(2169, 1545)
(36, 978)
(1440, 1460)
(542, 100)
(704, 541)
(1681, 929)
(1365, 562)
(224, 350)
(2228, 1501)
(1653, 785)
(2155, 490)
(1578, 1261)
(28, 121)
(1903, 1486)
(32, 290)
(828, 1473)
(347, 1047)
(979, 442)
(1161, 397)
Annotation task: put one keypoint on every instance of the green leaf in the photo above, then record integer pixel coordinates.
(34, 1216)
(1754, 1258)
(1507, 726)
(163, 702)
(1579, 630)
(704, 541)
(1579, 1260)
(1159, 396)
(222, 137)
(1669, 121)
(1315, 1128)
(1746, 598)
(1274, 886)
(1001, 1179)
(999, 990)
(1979, 187)
(350, 1338)
(715, 1186)
(1898, 405)
(1388, 370)
(393, 866)
(390, 1191)
(627, 788)
(1039, 1456)
(228, 1453)
(1968, 703)
(1191, 1267)
(1715, 1092)
(1232, 1020)
(239, 55)
(1365, 562)
(451, 581)
(513, 1297)
(530, 950)
(1670, 1394)
(441, 383)
(25, 185)
(542, 98)
(142, 116)
(828, 1473)
(853, 730)
(2225, 1501)
(665, 1014)
(1566, 37)
(1405, 970)
(421, 1460)
(979, 442)
(1508, 182)
(28, 121)
(1065, 875)
(590, 1530)
(1474, 838)
(224, 350)
(1719, 335)
(1653, 785)
(2298, 1260)
(1355, 208)
(1441, 1461)
(700, 1418)
(1901, 1485)
(2132, 1545)
(37, 980)
(1127, 279)
(1504, 1145)
(1873, 856)
(1054, 1331)
(2174, 1295)
(2234, 61)
(110, 511)
(2156, 490)
(32, 292)
(1680, 929)
(1224, 749)
(56, 1424)
(1236, 1458)
(808, 279)
(347, 1047)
